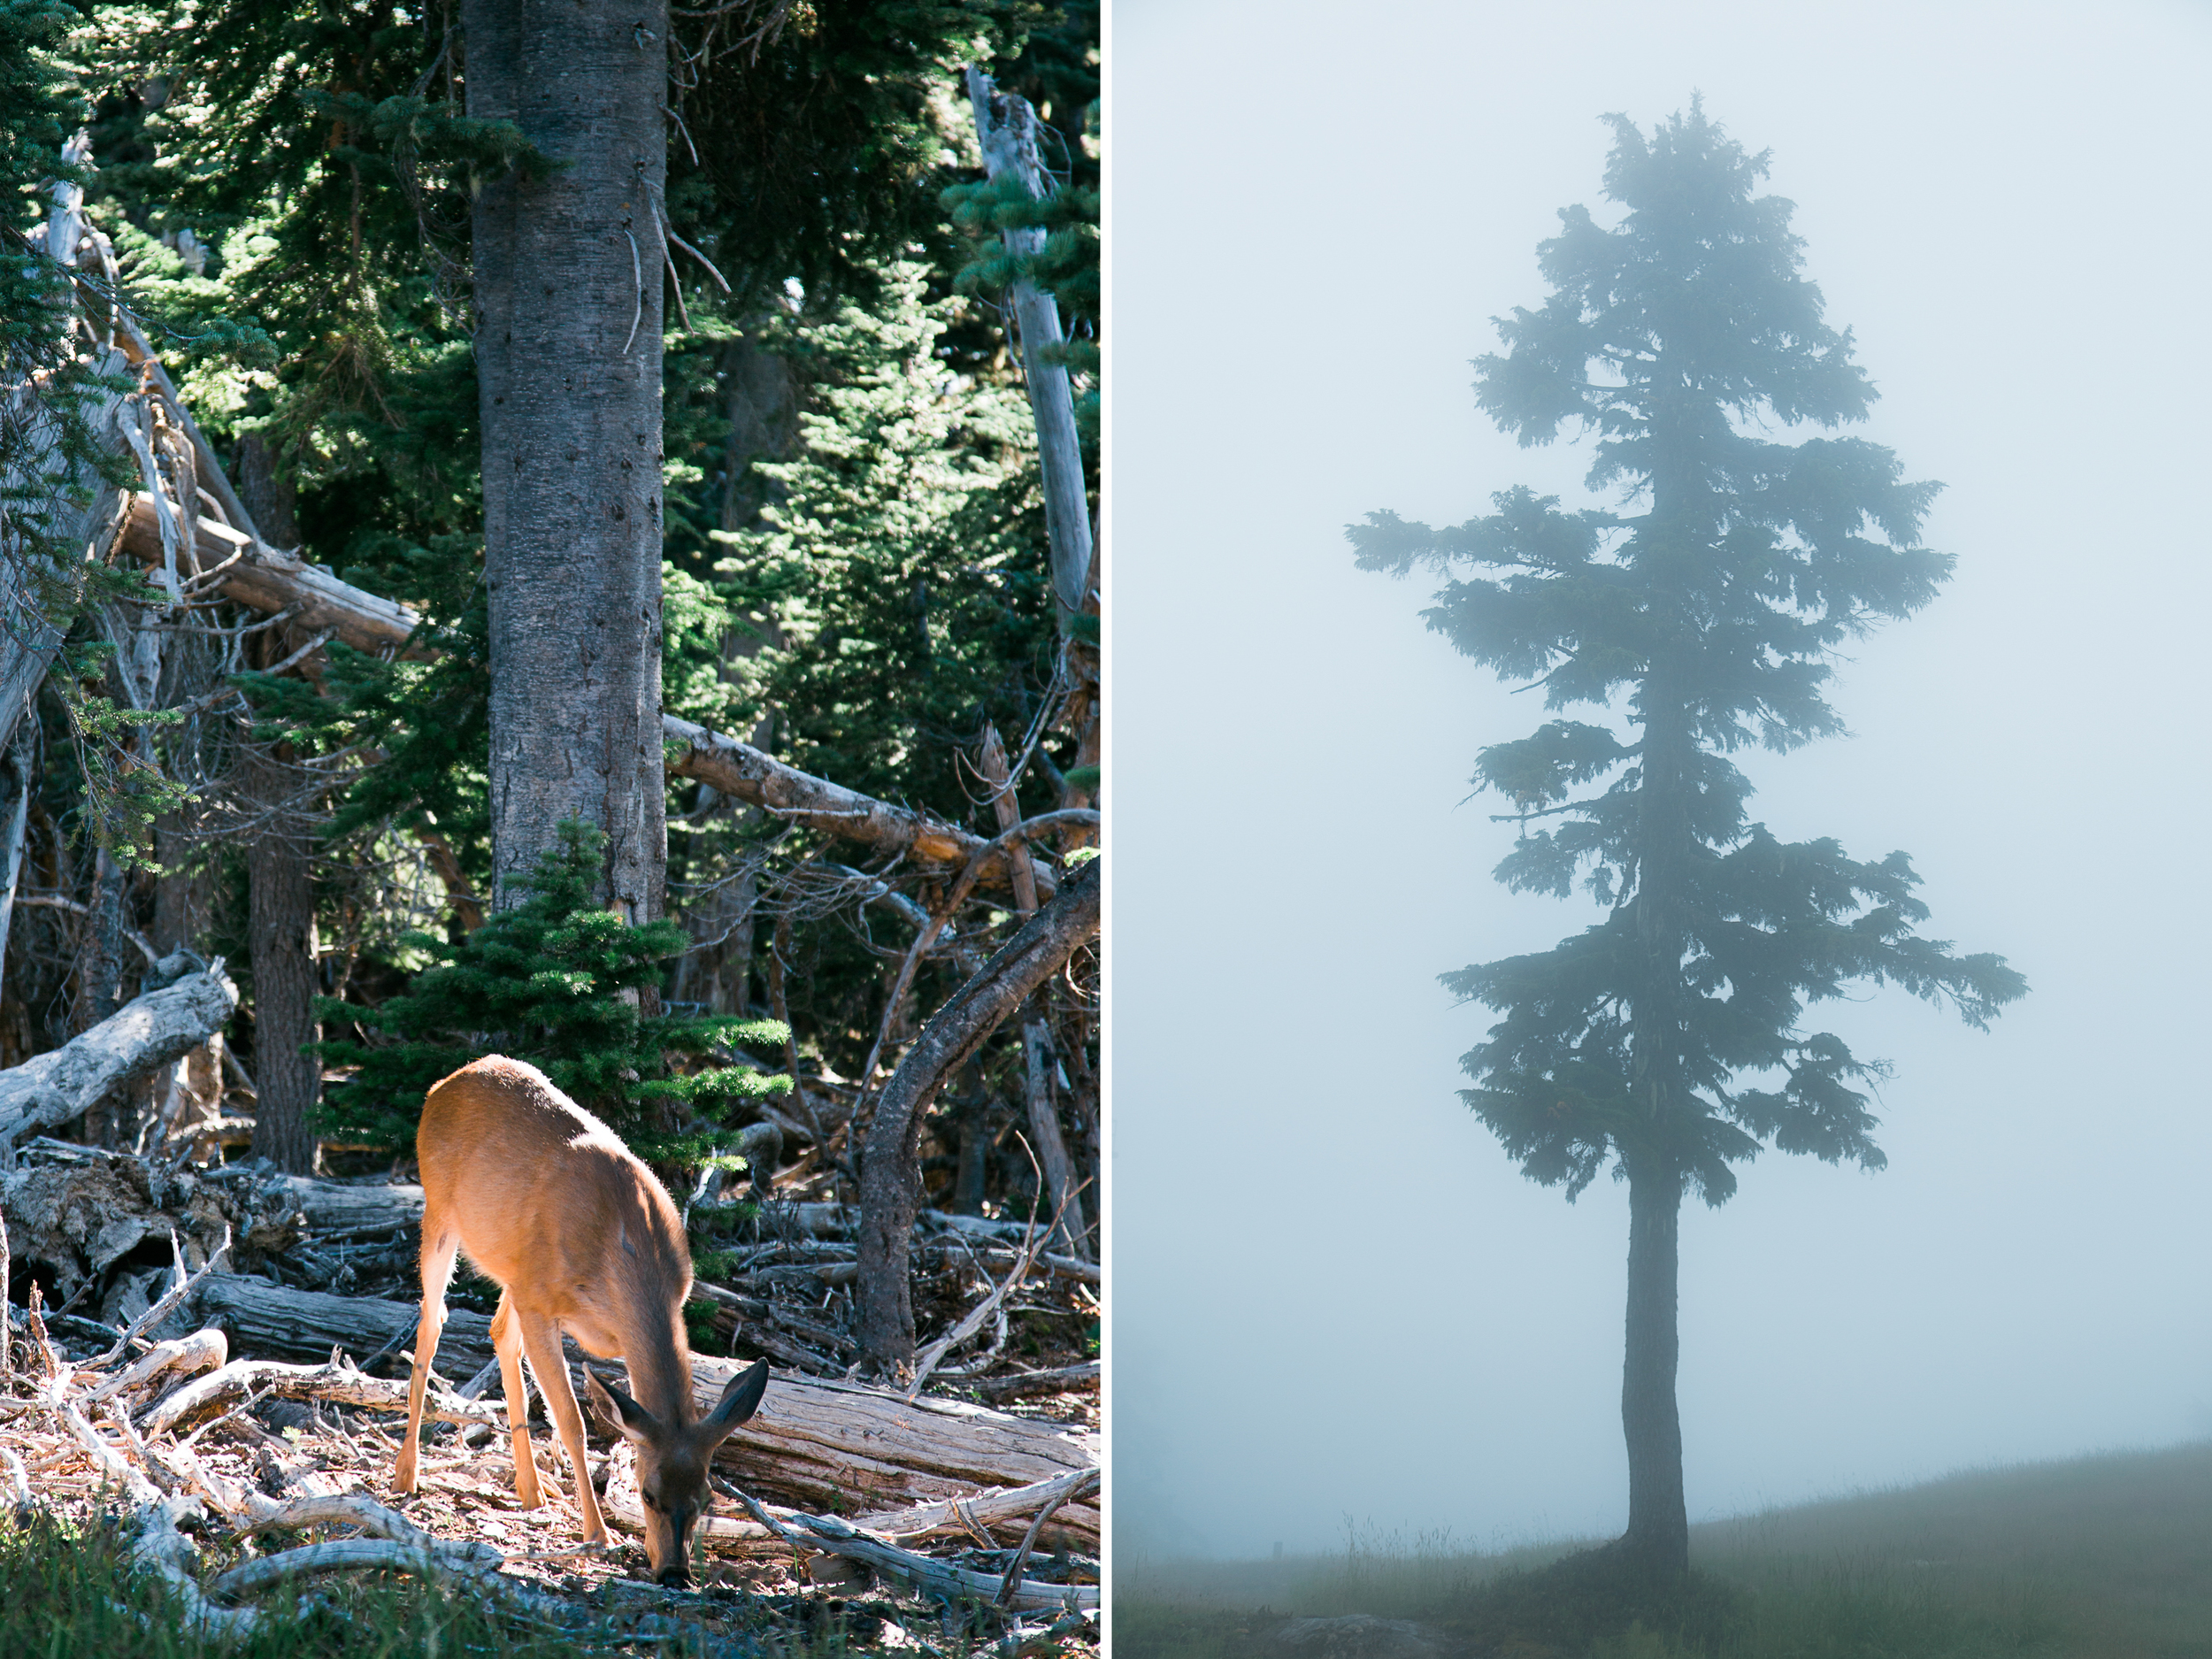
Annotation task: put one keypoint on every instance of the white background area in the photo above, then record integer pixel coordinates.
(1333, 1295)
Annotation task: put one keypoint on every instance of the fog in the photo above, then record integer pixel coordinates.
(1333, 1295)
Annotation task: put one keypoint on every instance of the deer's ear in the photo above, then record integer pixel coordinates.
(738, 1402)
(618, 1411)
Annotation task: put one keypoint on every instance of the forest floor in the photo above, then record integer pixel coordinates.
(2101, 1557)
(93, 1447)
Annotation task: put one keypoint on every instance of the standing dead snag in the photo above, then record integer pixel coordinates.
(890, 1193)
(1007, 129)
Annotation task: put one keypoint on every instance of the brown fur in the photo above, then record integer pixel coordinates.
(581, 1238)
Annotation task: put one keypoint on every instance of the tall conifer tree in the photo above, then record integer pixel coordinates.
(1701, 619)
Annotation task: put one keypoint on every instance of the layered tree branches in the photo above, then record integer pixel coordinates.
(1670, 1040)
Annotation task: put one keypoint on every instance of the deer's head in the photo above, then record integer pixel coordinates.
(672, 1459)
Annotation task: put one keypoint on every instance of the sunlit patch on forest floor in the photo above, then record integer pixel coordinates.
(2109, 1555)
(73, 1587)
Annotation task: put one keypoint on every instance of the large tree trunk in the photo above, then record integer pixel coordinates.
(1658, 1534)
(890, 1176)
(568, 281)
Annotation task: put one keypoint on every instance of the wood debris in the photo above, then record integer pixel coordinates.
(246, 1403)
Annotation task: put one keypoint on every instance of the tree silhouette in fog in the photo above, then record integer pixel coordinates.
(1700, 619)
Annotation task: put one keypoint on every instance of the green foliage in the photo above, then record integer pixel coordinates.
(1681, 336)
(807, 150)
(545, 982)
(75, 1592)
(908, 553)
(1065, 267)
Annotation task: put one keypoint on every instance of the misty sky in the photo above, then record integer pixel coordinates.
(1334, 1295)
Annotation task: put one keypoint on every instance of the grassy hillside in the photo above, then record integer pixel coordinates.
(2106, 1557)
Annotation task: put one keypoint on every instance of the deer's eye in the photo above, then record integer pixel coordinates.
(649, 1501)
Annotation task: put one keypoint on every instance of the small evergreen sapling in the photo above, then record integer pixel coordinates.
(552, 982)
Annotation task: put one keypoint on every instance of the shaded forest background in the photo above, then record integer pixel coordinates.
(855, 578)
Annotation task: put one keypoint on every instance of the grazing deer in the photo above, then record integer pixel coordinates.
(581, 1238)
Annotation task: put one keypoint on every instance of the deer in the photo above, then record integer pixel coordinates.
(583, 1238)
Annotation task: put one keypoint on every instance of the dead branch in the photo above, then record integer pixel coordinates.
(148, 1032)
(822, 1532)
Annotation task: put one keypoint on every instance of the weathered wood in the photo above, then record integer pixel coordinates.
(1006, 128)
(149, 1031)
(1010, 1508)
(19, 761)
(1071, 1229)
(81, 507)
(938, 1579)
(747, 774)
(337, 1383)
(269, 580)
(814, 1443)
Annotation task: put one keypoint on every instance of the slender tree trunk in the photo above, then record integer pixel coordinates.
(1658, 1525)
(1061, 1179)
(18, 776)
(280, 925)
(890, 1174)
(568, 281)
(1658, 1533)
(1006, 128)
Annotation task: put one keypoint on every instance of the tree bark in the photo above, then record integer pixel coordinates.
(568, 356)
(1658, 1535)
(890, 1178)
(280, 904)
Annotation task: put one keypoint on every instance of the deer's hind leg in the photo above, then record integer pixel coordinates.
(440, 1242)
(541, 1335)
(507, 1342)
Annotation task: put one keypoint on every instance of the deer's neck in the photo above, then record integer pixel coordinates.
(659, 1363)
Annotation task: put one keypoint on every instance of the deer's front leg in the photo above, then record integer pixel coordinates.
(542, 1338)
(507, 1343)
(439, 1246)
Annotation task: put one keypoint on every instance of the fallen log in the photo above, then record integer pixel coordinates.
(814, 1443)
(939, 1579)
(147, 1032)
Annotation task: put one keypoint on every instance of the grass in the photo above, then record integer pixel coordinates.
(2109, 1557)
(73, 1592)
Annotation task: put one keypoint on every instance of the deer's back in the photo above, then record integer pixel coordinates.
(545, 1198)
